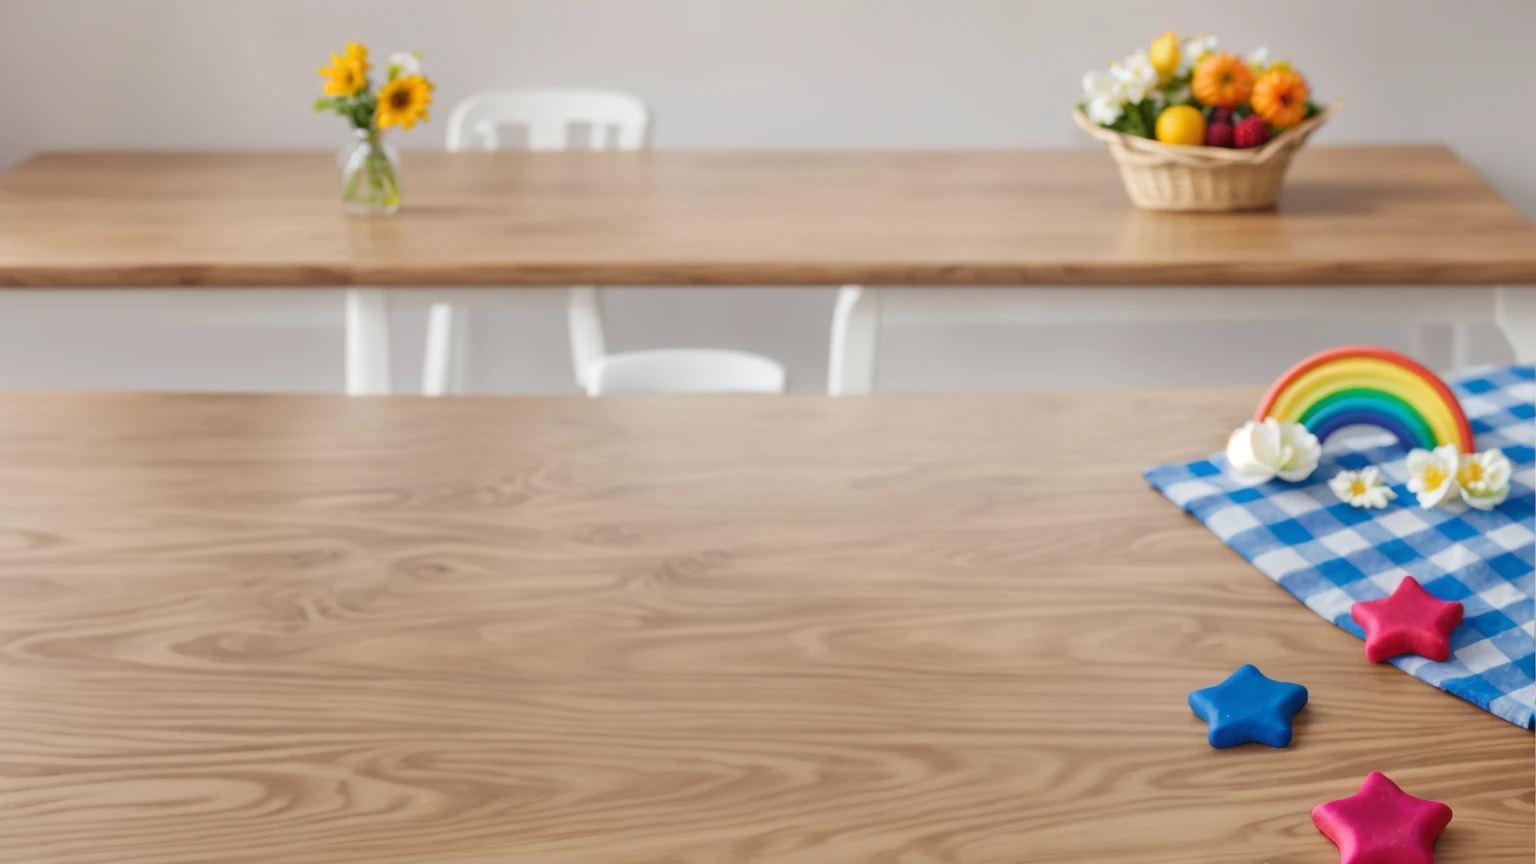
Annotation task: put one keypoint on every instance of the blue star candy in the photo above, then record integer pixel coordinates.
(1249, 707)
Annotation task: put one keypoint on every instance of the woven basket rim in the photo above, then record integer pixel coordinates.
(1148, 151)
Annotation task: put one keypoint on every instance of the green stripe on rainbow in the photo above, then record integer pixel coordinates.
(1358, 385)
(1359, 398)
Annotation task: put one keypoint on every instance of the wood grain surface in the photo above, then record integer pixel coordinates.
(1375, 215)
(312, 630)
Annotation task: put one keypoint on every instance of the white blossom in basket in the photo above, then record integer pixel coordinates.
(1363, 488)
(1261, 451)
(1195, 47)
(1483, 478)
(1432, 474)
(1136, 76)
(1104, 95)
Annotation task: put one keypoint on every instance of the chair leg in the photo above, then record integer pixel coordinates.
(855, 332)
(367, 322)
(442, 349)
(589, 342)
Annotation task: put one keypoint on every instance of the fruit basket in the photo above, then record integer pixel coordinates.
(1215, 179)
(1196, 129)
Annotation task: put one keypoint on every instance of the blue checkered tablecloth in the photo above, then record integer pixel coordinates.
(1329, 554)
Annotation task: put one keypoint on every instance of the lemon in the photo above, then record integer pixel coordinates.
(1181, 124)
(1164, 55)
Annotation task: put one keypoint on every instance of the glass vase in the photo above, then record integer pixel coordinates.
(370, 174)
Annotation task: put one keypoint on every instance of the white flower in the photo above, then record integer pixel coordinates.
(403, 64)
(1104, 95)
(1484, 478)
(1432, 474)
(1136, 76)
(1258, 58)
(1100, 84)
(1104, 112)
(1362, 488)
(1258, 452)
(1195, 48)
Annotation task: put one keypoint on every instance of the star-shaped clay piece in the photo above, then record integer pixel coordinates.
(1249, 707)
(1411, 621)
(1382, 824)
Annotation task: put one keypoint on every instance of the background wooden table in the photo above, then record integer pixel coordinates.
(1363, 215)
(314, 630)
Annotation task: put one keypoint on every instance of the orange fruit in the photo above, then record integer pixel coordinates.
(1222, 81)
(1280, 97)
(1181, 124)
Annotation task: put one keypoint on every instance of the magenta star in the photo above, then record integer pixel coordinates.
(1411, 621)
(1382, 824)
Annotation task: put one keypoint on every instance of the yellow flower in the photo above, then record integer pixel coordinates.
(357, 53)
(348, 73)
(403, 101)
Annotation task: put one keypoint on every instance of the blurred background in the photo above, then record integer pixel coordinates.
(829, 74)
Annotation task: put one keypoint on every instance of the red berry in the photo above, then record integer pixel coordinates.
(1221, 115)
(1218, 135)
(1252, 132)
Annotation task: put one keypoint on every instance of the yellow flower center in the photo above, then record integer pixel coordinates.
(1434, 475)
(1471, 474)
(1357, 487)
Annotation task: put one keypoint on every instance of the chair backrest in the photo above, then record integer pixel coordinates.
(684, 370)
(617, 121)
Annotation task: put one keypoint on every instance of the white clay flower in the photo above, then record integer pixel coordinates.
(1195, 48)
(1432, 474)
(1363, 488)
(1261, 451)
(1484, 478)
(1136, 76)
(403, 64)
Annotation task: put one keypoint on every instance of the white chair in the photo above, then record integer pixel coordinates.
(683, 370)
(615, 121)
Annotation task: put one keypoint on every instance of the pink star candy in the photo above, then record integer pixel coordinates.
(1382, 824)
(1411, 621)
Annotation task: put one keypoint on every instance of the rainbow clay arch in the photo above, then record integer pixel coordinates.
(1362, 385)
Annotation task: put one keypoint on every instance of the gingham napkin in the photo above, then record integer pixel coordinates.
(1328, 554)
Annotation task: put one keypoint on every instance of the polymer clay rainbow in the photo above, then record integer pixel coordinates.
(1363, 386)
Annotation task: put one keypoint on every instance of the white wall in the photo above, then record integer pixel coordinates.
(728, 74)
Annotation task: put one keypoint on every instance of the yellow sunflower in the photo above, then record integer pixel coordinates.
(357, 53)
(348, 73)
(403, 101)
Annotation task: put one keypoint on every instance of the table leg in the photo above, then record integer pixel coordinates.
(855, 332)
(367, 342)
(1461, 346)
(1515, 310)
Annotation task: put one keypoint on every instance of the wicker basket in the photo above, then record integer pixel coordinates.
(1215, 179)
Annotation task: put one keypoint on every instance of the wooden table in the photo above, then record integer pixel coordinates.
(313, 630)
(1368, 216)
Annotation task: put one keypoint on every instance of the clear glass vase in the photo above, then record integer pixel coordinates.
(370, 174)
